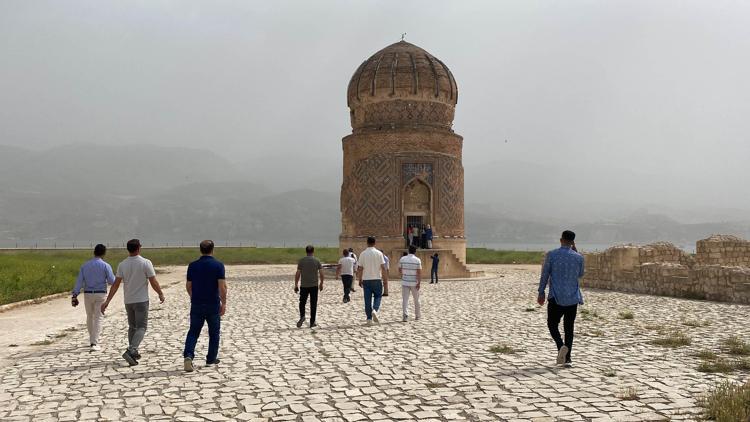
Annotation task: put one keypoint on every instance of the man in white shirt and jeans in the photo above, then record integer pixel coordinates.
(410, 270)
(345, 269)
(373, 277)
(136, 273)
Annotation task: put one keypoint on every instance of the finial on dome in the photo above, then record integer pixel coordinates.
(403, 36)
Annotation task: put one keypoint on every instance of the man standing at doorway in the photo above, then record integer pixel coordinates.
(345, 270)
(309, 269)
(434, 270)
(135, 273)
(410, 270)
(207, 287)
(562, 269)
(428, 237)
(93, 279)
(373, 277)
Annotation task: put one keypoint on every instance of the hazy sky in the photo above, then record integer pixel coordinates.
(655, 86)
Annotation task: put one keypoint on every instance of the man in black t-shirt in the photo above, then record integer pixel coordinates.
(309, 270)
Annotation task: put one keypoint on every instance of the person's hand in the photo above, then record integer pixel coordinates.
(320, 287)
(385, 290)
(161, 297)
(360, 283)
(222, 309)
(296, 289)
(104, 306)
(540, 300)
(74, 301)
(419, 285)
(573, 246)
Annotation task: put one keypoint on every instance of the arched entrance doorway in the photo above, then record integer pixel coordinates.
(417, 206)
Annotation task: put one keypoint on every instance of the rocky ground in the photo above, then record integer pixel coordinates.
(480, 352)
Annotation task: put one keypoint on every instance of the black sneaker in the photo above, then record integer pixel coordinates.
(568, 363)
(129, 358)
(137, 356)
(300, 322)
(313, 324)
(213, 362)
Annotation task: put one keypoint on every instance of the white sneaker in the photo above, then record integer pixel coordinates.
(189, 365)
(561, 355)
(95, 348)
(375, 317)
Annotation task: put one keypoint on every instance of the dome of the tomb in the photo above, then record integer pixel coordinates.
(402, 85)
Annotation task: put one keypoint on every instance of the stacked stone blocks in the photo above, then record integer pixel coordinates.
(719, 271)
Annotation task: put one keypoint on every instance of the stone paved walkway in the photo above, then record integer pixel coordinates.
(439, 368)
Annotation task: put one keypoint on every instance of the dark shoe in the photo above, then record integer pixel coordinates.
(313, 325)
(299, 323)
(213, 362)
(347, 300)
(352, 290)
(137, 356)
(129, 358)
(568, 363)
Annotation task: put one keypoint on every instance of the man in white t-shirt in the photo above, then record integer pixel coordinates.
(345, 269)
(135, 273)
(410, 270)
(373, 277)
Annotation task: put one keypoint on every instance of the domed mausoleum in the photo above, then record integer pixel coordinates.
(402, 161)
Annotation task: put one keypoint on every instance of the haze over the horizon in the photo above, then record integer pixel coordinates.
(648, 98)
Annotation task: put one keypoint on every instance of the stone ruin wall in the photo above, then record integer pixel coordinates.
(720, 270)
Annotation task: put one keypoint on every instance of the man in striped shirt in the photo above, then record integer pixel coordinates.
(410, 270)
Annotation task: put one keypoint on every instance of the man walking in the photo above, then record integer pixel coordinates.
(309, 270)
(345, 269)
(434, 270)
(135, 273)
(410, 270)
(93, 279)
(207, 287)
(373, 277)
(562, 269)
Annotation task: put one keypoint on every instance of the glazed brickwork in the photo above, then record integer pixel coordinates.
(663, 269)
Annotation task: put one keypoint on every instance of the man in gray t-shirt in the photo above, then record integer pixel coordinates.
(309, 270)
(135, 273)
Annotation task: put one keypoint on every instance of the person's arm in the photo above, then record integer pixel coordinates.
(111, 294)
(223, 296)
(419, 277)
(400, 271)
(189, 288)
(544, 280)
(360, 271)
(384, 273)
(322, 278)
(338, 270)
(79, 283)
(581, 268)
(297, 276)
(157, 288)
(110, 275)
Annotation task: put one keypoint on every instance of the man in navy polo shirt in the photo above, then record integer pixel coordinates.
(207, 288)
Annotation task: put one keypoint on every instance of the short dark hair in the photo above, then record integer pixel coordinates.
(207, 246)
(412, 249)
(351, 249)
(404, 254)
(568, 235)
(370, 240)
(346, 252)
(133, 245)
(100, 250)
(309, 248)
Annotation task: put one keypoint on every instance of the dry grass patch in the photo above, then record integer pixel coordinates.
(706, 355)
(719, 365)
(673, 339)
(609, 372)
(736, 346)
(728, 402)
(629, 393)
(626, 314)
(695, 323)
(503, 349)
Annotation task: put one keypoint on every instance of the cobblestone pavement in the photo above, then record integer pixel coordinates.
(438, 368)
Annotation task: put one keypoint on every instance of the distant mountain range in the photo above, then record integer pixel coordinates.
(88, 193)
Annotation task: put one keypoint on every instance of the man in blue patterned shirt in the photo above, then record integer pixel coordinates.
(562, 269)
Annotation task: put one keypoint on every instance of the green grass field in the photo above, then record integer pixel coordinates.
(29, 274)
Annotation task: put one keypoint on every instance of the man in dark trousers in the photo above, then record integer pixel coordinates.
(207, 287)
(562, 269)
(434, 271)
(309, 269)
